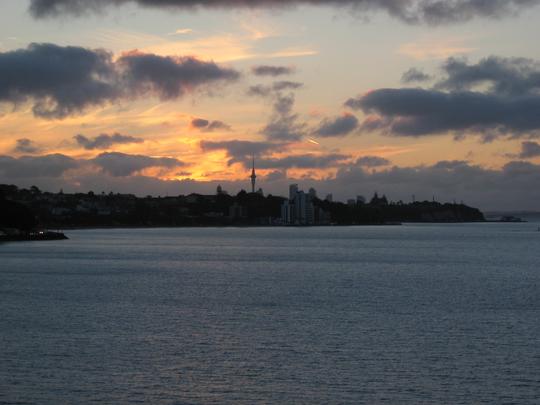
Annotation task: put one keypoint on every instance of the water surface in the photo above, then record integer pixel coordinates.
(417, 314)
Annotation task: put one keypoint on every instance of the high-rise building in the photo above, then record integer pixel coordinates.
(300, 208)
(286, 212)
(300, 203)
(293, 190)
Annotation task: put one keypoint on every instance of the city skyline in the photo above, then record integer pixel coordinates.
(396, 97)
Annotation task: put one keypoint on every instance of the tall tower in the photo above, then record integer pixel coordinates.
(253, 176)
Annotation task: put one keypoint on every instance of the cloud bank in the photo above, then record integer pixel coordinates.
(47, 166)
(55, 166)
(410, 11)
(494, 97)
(490, 189)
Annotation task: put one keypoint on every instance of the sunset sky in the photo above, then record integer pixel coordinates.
(406, 97)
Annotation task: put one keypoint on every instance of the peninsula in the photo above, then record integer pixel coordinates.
(31, 209)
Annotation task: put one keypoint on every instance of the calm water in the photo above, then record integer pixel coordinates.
(418, 314)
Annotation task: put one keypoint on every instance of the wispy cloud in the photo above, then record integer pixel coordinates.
(182, 31)
(224, 48)
(435, 49)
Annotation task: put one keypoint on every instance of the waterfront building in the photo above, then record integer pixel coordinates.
(300, 208)
(293, 189)
(286, 212)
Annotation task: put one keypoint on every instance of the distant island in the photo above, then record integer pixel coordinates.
(25, 211)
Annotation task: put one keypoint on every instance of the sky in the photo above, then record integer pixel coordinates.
(424, 98)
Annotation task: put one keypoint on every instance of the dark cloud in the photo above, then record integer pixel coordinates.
(199, 123)
(169, 77)
(273, 71)
(241, 151)
(494, 97)
(339, 126)
(121, 164)
(409, 11)
(209, 126)
(55, 165)
(418, 112)
(265, 91)
(414, 75)
(372, 161)
(105, 141)
(504, 76)
(284, 124)
(26, 145)
(59, 80)
(529, 150)
(52, 166)
(62, 81)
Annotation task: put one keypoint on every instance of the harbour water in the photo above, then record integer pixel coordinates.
(413, 314)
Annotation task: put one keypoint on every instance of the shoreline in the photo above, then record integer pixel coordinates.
(60, 234)
(75, 228)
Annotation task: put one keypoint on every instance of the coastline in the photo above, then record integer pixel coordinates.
(33, 237)
(61, 235)
(75, 228)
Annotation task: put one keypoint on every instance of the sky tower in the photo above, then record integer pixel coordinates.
(253, 176)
